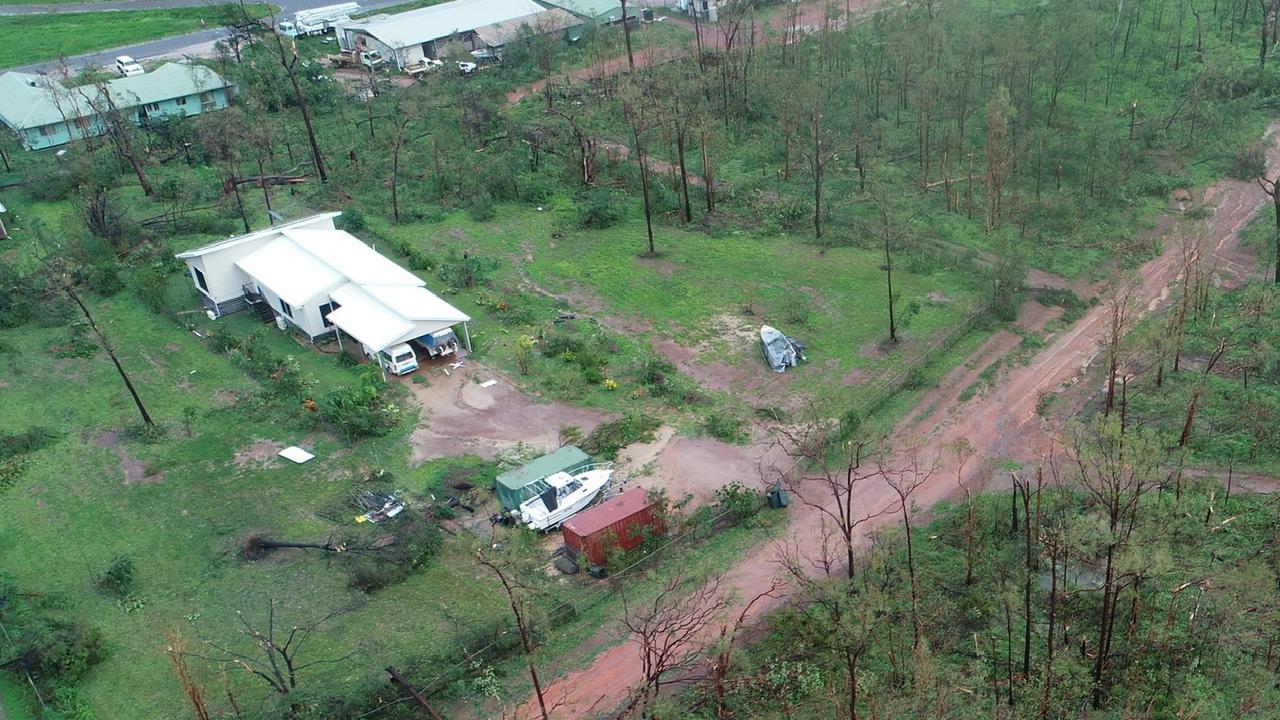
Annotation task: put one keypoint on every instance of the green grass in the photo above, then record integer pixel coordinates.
(36, 38)
(697, 292)
(16, 698)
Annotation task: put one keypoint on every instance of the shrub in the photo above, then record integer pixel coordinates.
(724, 427)
(467, 270)
(118, 579)
(655, 374)
(598, 210)
(28, 441)
(60, 651)
(151, 285)
(359, 411)
(481, 207)
(352, 220)
(740, 502)
(1249, 163)
(606, 440)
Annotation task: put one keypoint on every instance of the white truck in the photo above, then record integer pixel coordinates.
(317, 21)
(397, 359)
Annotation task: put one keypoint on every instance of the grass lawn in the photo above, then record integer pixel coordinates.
(71, 514)
(36, 38)
(709, 294)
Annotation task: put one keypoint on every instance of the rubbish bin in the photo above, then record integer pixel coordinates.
(777, 498)
(647, 14)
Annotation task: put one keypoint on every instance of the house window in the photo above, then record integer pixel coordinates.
(200, 281)
(207, 101)
(153, 107)
(82, 123)
(180, 101)
(286, 308)
(327, 308)
(48, 130)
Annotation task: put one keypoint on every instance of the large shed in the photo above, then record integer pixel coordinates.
(406, 38)
(621, 522)
(519, 484)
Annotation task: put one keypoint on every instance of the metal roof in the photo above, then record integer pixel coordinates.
(441, 21)
(547, 21)
(564, 458)
(381, 303)
(598, 10)
(619, 507)
(28, 100)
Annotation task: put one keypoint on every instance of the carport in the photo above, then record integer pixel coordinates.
(381, 316)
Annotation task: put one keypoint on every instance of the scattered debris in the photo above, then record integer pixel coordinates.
(378, 506)
(488, 383)
(296, 454)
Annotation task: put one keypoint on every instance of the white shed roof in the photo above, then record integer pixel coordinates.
(440, 21)
(357, 261)
(290, 271)
(366, 319)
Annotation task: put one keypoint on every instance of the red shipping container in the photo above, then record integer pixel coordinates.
(619, 522)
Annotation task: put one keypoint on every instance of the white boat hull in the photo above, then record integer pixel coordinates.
(535, 513)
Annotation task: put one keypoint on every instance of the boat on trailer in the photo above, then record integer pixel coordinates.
(565, 496)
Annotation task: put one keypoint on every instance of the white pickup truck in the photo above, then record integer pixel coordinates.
(317, 21)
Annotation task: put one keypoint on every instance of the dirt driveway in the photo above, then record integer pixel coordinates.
(999, 424)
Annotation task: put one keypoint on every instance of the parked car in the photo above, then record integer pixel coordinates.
(398, 359)
(128, 67)
(466, 68)
(437, 344)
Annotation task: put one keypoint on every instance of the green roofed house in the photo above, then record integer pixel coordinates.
(602, 12)
(519, 484)
(43, 113)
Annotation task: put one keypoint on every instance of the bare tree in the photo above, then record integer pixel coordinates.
(640, 122)
(512, 589)
(288, 57)
(1272, 188)
(962, 450)
(1115, 468)
(831, 461)
(720, 662)
(176, 650)
(904, 477)
(1122, 312)
(670, 631)
(276, 657)
(62, 276)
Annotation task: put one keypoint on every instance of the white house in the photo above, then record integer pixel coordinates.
(407, 38)
(321, 280)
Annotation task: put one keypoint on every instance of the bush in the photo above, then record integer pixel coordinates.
(655, 374)
(740, 502)
(1249, 163)
(598, 210)
(59, 651)
(352, 220)
(151, 285)
(359, 411)
(118, 579)
(467, 270)
(724, 427)
(481, 207)
(606, 440)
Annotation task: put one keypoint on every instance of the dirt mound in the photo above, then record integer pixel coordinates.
(260, 452)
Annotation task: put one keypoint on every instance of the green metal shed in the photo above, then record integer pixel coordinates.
(519, 484)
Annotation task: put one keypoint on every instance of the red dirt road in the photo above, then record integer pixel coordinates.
(809, 20)
(1000, 424)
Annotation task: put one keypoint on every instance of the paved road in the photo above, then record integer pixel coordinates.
(196, 43)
